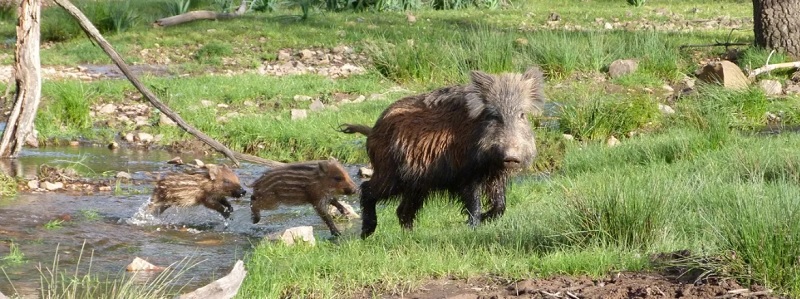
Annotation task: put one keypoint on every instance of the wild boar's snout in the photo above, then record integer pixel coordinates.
(238, 193)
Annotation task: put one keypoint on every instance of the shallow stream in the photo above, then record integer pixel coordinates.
(112, 231)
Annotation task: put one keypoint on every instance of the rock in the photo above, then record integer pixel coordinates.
(410, 18)
(104, 188)
(107, 109)
(33, 184)
(175, 161)
(666, 109)
(221, 105)
(612, 141)
(224, 288)
(608, 26)
(338, 49)
(292, 235)
(129, 137)
(302, 98)
(306, 54)
(348, 209)
(554, 17)
(688, 82)
(206, 103)
(139, 264)
(771, 87)
(771, 117)
(144, 137)
(521, 41)
(793, 89)
(667, 88)
(622, 67)
(284, 55)
(365, 172)
(360, 99)
(316, 105)
(568, 137)
(199, 163)
(74, 143)
(123, 175)
(298, 114)
(249, 103)
(113, 145)
(724, 73)
(796, 77)
(164, 120)
(51, 186)
(142, 120)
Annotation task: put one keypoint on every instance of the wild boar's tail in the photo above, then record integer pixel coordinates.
(350, 129)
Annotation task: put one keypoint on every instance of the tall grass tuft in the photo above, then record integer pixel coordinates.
(8, 185)
(598, 118)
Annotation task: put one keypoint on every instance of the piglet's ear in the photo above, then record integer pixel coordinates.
(213, 171)
(323, 167)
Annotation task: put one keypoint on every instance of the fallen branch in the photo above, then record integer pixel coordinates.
(95, 35)
(743, 292)
(200, 15)
(726, 44)
(223, 288)
(771, 67)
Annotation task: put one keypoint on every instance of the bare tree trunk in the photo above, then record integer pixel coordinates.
(28, 78)
(96, 36)
(777, 25)
(201, 15)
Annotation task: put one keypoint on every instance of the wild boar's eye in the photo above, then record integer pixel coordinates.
(338, 179)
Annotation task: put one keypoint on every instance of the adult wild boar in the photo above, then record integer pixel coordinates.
(311, 182)
(209, 188)
(464, 139)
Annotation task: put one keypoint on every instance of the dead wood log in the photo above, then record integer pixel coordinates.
(771, 67)
(200, 15)
(223, 288)
(90, 30)
(28, 78)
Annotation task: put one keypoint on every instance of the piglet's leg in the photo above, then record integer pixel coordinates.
(321, 211)
(220, 205)
(338, 206)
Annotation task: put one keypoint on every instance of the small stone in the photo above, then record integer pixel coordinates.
(349, 212)
(666, 109)
(365, 172)
(612, 141)
(52, 186)
(568, 137)
(139, 264)
(74, 143)
(249, 103)
(175, 161)
(302, 98)
(306, 54)
(284, 55)
(298, 114)
(771, 87)
(107, 109)
(199, 163)
(338, 49)
(554, 17)
(129, 137)
(771, 117)
(292, 235)
(521, 41)
(221, 105)
(206, 103)
(622, 67)
(113, 145)
(667, 88)
(33, 184)
(123, 175)
(608, 26)
(359, 99)
(410, 18)
(104, 188)
(164, 120)
(316, 105)
(144, 137)
(793, 89)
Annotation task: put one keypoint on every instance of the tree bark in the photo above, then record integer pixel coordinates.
(200, 15)
(96, 36)
(28, 79)
(777, 25)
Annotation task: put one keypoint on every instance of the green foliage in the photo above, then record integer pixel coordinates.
(54, 224)
(177, 7)
(8, 12)
(15, 255)
(8, 185)
(90, 215)
(599, 118)
(213, 52)
(69, 106)
(58, 25)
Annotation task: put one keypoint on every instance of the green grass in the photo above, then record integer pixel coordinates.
(15, 255)
(8, 185)
(54, 224)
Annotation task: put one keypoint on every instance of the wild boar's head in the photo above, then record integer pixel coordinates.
(225, 179)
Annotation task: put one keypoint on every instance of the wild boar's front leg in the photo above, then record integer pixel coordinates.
(220, 205)
(410, 204)
(338, 205)
(495, 190)
(471, 196)
(323, 213)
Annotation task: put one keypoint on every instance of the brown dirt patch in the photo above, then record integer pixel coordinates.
(619, 285)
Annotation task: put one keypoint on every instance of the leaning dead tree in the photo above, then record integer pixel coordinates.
(90, 30)
(201, 15)
(28, 79)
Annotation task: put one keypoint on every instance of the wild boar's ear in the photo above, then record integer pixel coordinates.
(213, 171)
(481, 80)
(323, 167)
(534, 75)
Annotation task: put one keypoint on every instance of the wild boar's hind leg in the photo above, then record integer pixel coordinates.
(323, 213)
(496, 192)
(409, 205)
(369, 218)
